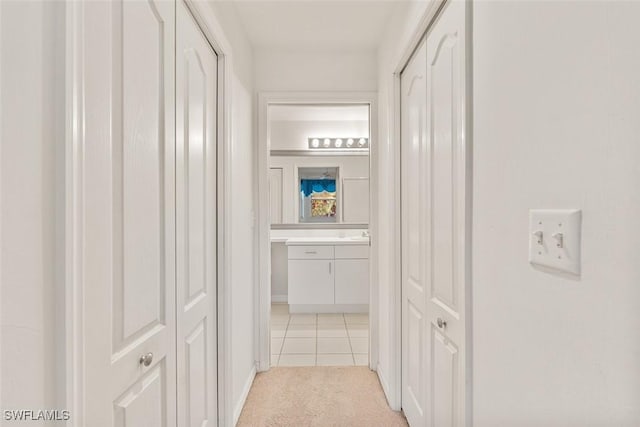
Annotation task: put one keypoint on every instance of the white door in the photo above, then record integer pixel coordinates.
(447, 218)
(436, 220)
(196, 133)
(413, 85)
(127, 205)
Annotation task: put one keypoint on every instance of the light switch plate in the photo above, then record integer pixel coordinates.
(554, 239)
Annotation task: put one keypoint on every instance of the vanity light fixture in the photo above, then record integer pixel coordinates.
(339, 143)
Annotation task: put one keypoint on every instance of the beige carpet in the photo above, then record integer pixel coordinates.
(318, 396)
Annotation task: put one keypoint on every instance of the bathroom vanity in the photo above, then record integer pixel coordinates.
(328, 275)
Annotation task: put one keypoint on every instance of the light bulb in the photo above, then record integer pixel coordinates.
(362, 142)
(315, 143)
(349, 142)
(326, 142)
(338, 143)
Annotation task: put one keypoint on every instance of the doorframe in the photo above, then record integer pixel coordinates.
(262, 301)
(73, 214)
(427, 20)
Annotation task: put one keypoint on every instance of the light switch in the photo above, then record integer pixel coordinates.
(554, 239)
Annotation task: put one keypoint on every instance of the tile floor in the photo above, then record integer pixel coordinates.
(318, 339)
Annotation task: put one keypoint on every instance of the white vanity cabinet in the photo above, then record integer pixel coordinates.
(311, 269)
(329, 277)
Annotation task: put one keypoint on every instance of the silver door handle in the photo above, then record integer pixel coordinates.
(311, 252)
(146, 359)
(441, 323)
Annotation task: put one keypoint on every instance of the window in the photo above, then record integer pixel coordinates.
(318, 194)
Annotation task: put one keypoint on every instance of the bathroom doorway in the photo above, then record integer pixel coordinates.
(315, 192)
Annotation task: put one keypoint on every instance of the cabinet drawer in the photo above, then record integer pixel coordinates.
(310, 252)
(352, 252)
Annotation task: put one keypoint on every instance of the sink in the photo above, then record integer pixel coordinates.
(359, 238)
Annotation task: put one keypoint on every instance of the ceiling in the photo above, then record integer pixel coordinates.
(315, 24)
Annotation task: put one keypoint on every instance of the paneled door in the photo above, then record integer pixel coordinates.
(196, 136)
(436, 206)
(413, 84)
(128, 214)
(448, 218)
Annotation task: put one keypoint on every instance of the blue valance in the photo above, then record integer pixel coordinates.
(308, 186)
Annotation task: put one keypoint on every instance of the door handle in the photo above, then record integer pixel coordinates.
(310, 252)
(146, 359)
(441, 323)
(329, 267)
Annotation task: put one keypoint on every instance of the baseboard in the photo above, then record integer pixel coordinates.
(243, 397)
(279, 298)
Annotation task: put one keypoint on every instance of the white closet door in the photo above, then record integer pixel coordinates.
(127, 203)
(413, 85)
(447, 218)
(196, 80)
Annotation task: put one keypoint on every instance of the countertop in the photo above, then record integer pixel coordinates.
(326, 241)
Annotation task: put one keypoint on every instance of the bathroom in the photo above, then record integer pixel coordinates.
(319, 198)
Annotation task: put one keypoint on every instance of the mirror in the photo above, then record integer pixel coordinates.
(319, 164)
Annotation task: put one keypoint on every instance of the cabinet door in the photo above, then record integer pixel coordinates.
(311, 281)
(352, 281)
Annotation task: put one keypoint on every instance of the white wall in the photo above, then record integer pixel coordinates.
(282, 70)
(556, 107)
(242, 223)
(242, 243)
(402, 26)
(31, 153)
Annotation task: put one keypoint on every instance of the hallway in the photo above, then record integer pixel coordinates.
(319, 397)
(320, 213)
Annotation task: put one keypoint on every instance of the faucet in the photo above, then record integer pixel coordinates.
(365, 233)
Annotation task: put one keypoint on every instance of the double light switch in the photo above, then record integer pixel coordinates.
(554, 239)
